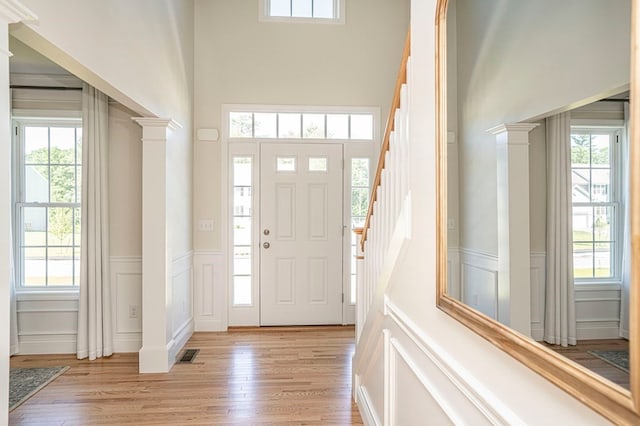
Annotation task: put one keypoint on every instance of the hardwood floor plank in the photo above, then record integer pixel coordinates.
(281, 376)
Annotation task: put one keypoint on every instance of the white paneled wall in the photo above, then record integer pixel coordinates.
(48, 323)
(473, 278)
(126, 288)
(210, 287)
(182, 324)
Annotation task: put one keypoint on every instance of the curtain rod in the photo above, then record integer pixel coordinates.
(15, 86)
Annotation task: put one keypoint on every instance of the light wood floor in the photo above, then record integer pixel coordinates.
(579, 354)
(271, 376)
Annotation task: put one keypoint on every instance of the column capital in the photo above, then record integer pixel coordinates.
(512, 128)
(155, 129)
(157, 122)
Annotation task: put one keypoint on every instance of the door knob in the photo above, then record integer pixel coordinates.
(266, 232)
(266, 245)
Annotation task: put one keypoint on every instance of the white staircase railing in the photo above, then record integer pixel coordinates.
(388, 202)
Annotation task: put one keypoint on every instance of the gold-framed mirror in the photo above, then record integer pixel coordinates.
(500, 323)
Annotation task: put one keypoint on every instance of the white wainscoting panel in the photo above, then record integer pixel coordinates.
(479, 278)
(597, 311)
(538, 285)
(425, 383)
(182, 324)
(47, 323)
(210, 291)
(371, 385)
(126, 290)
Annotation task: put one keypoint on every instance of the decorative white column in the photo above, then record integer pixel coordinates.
(10, 11)
(514, 275)
(157, 341)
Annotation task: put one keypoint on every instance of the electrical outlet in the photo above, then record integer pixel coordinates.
(205, 225)
(133, 311)
(451, 224)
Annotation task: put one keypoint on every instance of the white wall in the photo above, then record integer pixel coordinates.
(139, 53)
(520, 61)
(241, 60)
(440, 371)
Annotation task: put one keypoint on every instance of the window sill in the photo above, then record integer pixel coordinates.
(596, 286)
(44, 295)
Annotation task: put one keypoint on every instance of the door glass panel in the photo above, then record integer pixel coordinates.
(286, 164)
(318, 164)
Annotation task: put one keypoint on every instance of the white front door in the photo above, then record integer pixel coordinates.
(301, 234)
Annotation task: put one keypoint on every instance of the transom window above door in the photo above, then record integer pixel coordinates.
(301, 125)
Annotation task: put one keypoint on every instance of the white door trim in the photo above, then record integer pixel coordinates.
(250, 315)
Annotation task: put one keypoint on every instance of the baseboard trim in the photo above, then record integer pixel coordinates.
(369, 417)
(127, 344)
(210, 325)
(179, 340)
(47, 344)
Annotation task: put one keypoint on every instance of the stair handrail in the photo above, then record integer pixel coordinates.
(395, 104)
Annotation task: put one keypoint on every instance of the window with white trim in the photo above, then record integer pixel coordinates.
(242, 233)
(47, 186)
(596, 189)
(301, 125)
(359, 207)
(328, 11)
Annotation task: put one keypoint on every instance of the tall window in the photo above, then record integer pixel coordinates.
(359, 207)
(301, 10)
(595, 195)
(242, 229)
(47, 204)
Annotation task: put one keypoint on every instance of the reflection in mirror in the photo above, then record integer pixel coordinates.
(537, 181)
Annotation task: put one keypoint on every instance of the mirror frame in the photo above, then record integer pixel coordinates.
(605, 397)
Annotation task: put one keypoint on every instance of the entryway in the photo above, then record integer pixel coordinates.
(298, 181)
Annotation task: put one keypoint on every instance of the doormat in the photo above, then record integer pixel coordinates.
(25, 382)
(188, 356)
(618, 359)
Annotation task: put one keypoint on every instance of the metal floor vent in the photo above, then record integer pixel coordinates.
(188, 355)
